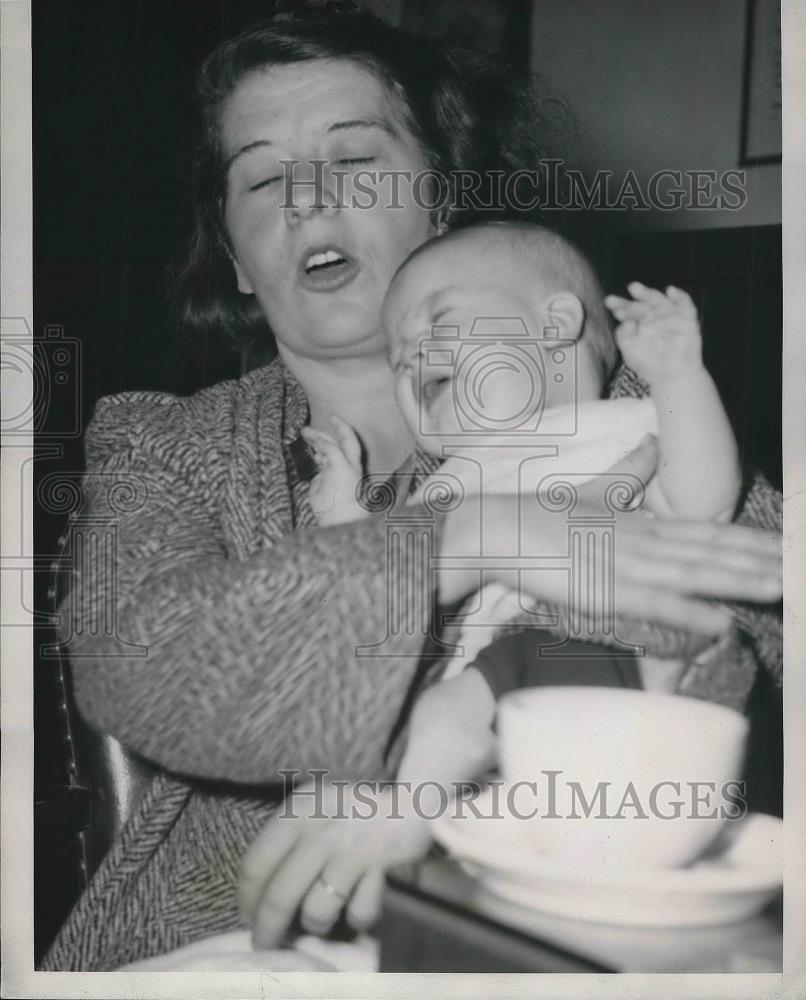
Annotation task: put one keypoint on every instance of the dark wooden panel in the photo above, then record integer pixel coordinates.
(735, 277)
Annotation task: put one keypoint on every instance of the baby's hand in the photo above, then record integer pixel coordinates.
(658, 334)
(332, 489)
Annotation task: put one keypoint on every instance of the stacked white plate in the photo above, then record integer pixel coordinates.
(740, 873)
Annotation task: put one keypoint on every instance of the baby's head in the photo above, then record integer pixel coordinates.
(473, 319)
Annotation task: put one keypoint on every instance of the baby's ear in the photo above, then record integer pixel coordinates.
(565, 311)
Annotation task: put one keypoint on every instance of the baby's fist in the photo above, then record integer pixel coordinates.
(332, 491)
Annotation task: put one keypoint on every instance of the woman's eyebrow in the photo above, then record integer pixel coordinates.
(245, 149)
(380, 123)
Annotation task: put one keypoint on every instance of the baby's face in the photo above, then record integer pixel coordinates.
(466, 341)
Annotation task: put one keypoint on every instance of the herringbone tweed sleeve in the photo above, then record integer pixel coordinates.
(218, 638)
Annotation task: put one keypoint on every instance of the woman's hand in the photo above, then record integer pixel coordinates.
(663, 570)
(325, 853)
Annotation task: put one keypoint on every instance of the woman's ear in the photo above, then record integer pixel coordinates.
(565, 311)
(244, 284)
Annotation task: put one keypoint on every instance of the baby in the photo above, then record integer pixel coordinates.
(529, 289)
(461, 315)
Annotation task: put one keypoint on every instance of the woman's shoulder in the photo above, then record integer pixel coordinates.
(209, 416)
(624, 383)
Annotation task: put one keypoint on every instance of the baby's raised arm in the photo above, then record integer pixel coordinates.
(698, 470)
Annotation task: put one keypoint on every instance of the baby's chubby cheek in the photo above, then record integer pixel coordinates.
(441, 416)
(499, 395)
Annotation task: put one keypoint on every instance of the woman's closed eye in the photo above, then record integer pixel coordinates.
(355, 161)
(347, 161)
(266, 182)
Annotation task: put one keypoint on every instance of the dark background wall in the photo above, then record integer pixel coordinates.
(111, 115)
(680, 71)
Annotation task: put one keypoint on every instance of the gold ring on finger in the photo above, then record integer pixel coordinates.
(331, 890)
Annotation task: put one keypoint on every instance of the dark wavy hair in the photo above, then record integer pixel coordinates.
(467, 113)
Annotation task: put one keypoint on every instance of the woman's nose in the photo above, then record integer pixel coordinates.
(309, 191)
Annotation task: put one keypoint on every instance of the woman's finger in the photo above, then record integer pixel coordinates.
(696, 570)
(723, 538)
(331, 891)
(263, 857)
(699, 578)
(740, 554)
(646, 600)
(308, 806)
(285, 891)
(364, 908)
(742, 536)
(662, 570)
(667, 607)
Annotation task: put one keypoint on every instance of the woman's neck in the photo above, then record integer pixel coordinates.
(362, 392)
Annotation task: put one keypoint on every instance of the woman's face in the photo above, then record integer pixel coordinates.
(319, 262)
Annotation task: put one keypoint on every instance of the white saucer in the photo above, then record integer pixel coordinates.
(739, 874)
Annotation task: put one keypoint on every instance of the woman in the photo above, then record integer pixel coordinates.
(249, 615)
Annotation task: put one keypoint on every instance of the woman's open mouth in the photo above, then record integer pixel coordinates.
(326, 268)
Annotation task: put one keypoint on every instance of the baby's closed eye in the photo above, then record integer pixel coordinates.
(431, 388)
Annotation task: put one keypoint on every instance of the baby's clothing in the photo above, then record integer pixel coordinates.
(579, 441)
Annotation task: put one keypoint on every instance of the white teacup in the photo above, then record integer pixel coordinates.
(617, 776)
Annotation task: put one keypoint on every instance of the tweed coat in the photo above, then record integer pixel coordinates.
(232, 654)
